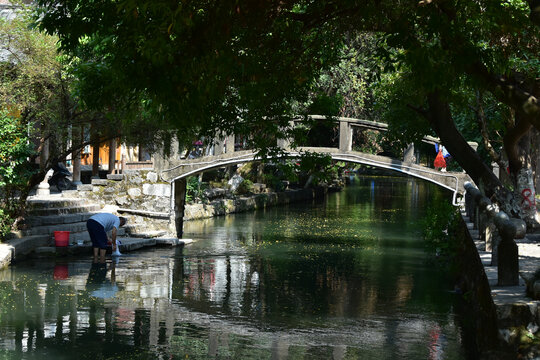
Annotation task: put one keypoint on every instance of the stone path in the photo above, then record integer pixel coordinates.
(529, 262)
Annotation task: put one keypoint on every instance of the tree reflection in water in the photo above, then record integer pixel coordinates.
(344, 278)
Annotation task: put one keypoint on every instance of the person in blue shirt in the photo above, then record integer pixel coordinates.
(98, 226)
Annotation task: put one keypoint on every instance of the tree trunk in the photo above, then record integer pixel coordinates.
(441, 121)
(524, 183)
(512, 144)
(535, 157)
(95, 151)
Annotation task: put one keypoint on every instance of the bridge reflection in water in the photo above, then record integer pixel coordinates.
(345, 278)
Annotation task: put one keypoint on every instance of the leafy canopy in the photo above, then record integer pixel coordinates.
(201, 66)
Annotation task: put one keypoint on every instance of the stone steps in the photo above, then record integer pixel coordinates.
(55, 219)
(64, 210)
(45, 216)
(53, 202)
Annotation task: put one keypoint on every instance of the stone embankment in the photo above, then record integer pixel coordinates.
(220, 207)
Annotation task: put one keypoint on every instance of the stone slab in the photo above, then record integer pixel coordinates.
(131, 244)
(100, 182)
(27, 244)
(157, 189)
(148, 234)
(115, 177)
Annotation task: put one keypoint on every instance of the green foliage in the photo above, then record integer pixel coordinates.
(245, 187)
(32, 83)
(247, 68)
(274, 181)
(320, 132)
(238, 63)
(317, 166)
(14, 168)
(439, 225)
(195, 189)
(349, 80)
(249, 170)
(324, 104)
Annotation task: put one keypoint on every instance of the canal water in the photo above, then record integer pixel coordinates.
(346, 277)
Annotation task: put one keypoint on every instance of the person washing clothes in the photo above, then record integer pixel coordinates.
(98, 226)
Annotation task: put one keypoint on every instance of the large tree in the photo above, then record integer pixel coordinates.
(240, 66)
(40, 109)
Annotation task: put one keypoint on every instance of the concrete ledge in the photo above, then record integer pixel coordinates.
(26, 248)
(6, 254)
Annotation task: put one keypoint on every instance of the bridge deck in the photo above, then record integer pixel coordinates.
(177, 169)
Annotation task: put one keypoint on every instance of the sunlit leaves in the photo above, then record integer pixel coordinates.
(15, 170)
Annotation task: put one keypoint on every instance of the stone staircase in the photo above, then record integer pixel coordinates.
(45, 216)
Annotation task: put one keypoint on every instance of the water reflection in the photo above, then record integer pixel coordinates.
(339, 279)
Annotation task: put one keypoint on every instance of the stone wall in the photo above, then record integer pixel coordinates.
(146, 201)
(138, 195)
(259, 201)
(478, 318)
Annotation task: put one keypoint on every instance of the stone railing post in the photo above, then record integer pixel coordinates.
(468, 204)
(500, 234)
(229, 144)
(219, 145)
(345, 136)
(507, 252)
(285, 144)
(409, 154)
(490, 233)
(482, 225)
(44, 187)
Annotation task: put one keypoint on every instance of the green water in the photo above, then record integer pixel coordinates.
(343, 278)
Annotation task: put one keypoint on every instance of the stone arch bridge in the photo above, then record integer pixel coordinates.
(175, 170)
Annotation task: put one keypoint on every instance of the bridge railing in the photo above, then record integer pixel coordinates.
(225, 145)
(344, 126)
(498, 231)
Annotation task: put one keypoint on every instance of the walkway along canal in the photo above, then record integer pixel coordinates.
(343, 278)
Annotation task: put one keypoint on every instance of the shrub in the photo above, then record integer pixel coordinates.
(15, 170)
(245, 187)
(439, 227)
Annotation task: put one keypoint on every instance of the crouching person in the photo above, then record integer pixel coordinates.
(98, 226)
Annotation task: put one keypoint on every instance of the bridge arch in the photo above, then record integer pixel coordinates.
(177, 175)
(450, 181)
